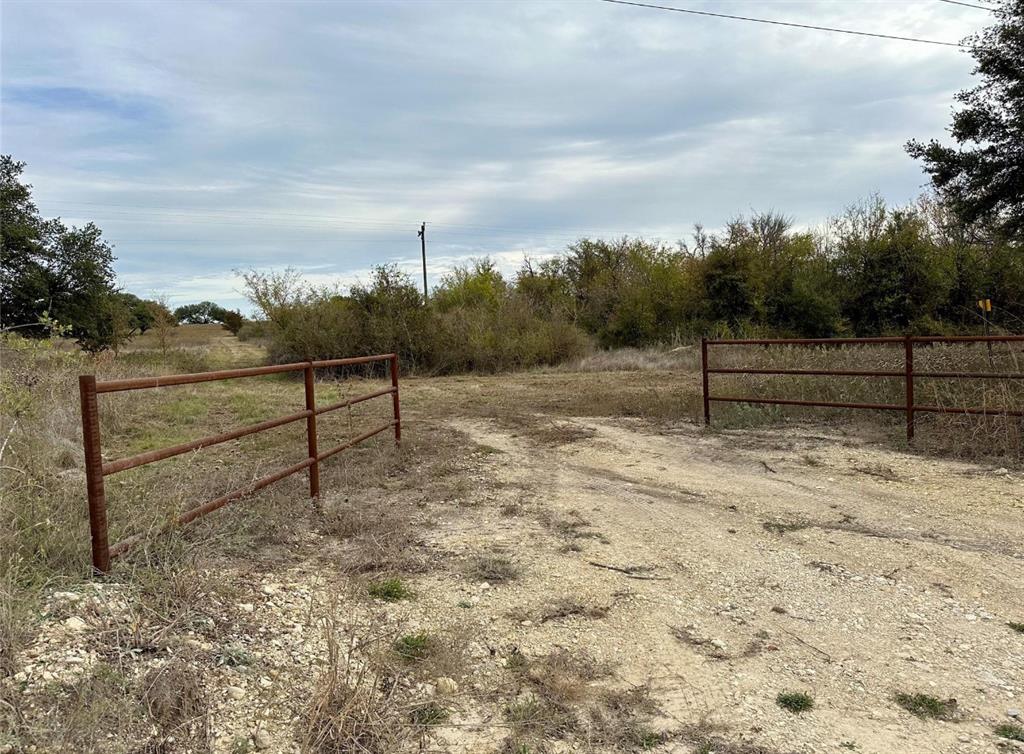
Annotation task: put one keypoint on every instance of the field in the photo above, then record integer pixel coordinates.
(558, 560)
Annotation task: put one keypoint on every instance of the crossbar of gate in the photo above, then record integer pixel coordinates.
(96, 469)
(907, 374)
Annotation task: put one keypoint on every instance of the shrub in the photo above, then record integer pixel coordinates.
(475, 322)
(389, 590)
(925, 705)
(795, 701)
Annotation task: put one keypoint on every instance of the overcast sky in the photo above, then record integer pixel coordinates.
(205, 137)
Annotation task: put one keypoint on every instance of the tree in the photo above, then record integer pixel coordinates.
(48, 269)
(24, 284)
(140, 313)
(891, 276)
(478, 284)
(983, 179)
(232, 321)
(164, 322)
(203, 313)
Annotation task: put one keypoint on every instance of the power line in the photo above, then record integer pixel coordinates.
(969, 5)
(787, 23)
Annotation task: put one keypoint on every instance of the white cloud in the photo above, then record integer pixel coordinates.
(209, 137)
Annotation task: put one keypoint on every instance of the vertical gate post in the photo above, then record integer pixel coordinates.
(704, 380)
(908, 348)
(394, 399)
(314, 466)
(94, 473)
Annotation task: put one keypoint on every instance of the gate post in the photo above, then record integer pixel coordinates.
(908, 362)
(704, 380)
(394, 399)
(314, 466)
(94, 473)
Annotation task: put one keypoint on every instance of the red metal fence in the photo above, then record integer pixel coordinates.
(96, 469)
(907, 374)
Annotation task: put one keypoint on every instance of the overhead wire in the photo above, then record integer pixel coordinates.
(791, 24)
(989, 8)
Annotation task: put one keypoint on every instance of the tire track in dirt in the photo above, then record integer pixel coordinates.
(861, 600)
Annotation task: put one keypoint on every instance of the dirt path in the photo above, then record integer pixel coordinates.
(767, 562)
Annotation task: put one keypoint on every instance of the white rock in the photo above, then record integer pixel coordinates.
(262, 739)
(1013, 712)
(246, 607)
(76, 624)
(446, 685)
(67, 597)
(235, 692)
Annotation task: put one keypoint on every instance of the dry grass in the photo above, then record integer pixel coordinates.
(494, 569)
(174, 698)
(355, 706)
(564, 699)
(377, 504)
(376, 536)
(364, 699)
(685, 358)
(982, 437)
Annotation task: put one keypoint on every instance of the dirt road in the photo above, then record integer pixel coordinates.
(763, 562)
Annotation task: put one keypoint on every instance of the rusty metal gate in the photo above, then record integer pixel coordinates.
(96, 469)
(907, 374)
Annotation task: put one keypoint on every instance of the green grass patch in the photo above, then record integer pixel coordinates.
(1010, 731)
(926, 706)
(186, 410)
(390, 590)
(1018, 627)
(525, 714)
(413, 646)
(795, 701)
(247, 407)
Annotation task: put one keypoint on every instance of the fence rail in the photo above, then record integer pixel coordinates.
(96, 469)
(907, 374)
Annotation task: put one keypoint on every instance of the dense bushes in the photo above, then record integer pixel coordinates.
(475, 321)
(872, 271)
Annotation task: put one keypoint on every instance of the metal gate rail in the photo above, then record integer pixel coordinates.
(96, 469)
(907, 374)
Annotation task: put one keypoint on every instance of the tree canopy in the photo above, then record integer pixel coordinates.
(982, 179)
(51, 269)
(50, 272)
(206, 313)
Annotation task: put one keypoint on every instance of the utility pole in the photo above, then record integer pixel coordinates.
(423, 248)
